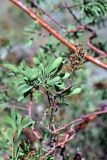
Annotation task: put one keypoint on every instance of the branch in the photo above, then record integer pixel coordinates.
(70, 135)
(88, 116)
(49, 16)
(70, 10)
(95, 61)
(55, 33)
(89, 42)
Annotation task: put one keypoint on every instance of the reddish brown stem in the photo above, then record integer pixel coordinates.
(70, 135)
(89, 41)
(53, 19)
(43, 24)
(95, 61)
(54, 33)
(30, 106)
(79, 120)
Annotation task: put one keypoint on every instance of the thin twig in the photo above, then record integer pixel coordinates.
(89, 41)
(74, 16)
(70, 135)
(79, 120)
(49, 16)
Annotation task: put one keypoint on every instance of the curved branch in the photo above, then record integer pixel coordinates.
(70, 135)
(89, 41)
(89, 116)
(55, 33)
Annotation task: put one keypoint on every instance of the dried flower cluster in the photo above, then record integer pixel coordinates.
(75, 59)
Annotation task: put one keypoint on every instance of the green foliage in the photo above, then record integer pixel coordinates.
(51, 76)
(92, 11)
(95, 9)
(12, 132)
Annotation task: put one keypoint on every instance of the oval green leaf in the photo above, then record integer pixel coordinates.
(54, 80)
(76, 91)
(55, 64)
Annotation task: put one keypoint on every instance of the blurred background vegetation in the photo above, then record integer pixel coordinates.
(16, 46)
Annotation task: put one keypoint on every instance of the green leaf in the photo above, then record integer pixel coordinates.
(55, 64)
(3, 145)
(11, 67)
(38, 96)
(76, 91)
(25, 94)
(10, 121)
(26, 89)
(3, 106)
(18, 81)
(50, 60)
(54, 80)
(7, 134)
(19, 117)
(42, 68)
(22, 65)
(13, 114)
(26, 122)
(21, 98)
(16, 149)
(30, 73)
(65, 76)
